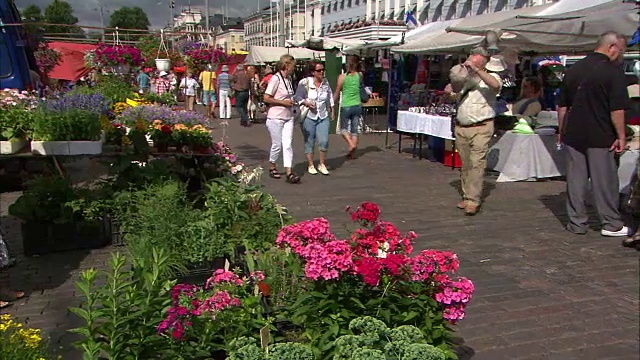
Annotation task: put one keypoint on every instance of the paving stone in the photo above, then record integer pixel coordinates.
(541, 292)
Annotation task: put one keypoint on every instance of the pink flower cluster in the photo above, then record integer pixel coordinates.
(455, 295)
(111, 55)
(191, 301)
(374, 251)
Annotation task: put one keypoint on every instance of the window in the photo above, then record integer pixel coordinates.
(6, 65)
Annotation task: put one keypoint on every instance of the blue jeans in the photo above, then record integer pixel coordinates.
(349, 118)
(315, 129)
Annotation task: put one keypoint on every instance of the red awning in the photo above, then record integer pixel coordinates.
(71, 65)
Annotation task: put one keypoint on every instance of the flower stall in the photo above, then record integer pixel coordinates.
(197, 58)
(16, 117)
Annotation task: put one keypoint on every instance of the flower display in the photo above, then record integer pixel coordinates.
(94, 103)
(113, 55)
(46, 58)
(198, 58)
(16, 113)
(149, 113)
(18, 342)
(377, 251)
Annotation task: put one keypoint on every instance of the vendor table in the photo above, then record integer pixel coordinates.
(425, 124)
(521, 157)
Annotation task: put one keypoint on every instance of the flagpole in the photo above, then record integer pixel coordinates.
(270, 23)
(306, 20)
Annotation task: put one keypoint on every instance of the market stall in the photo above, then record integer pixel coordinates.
(261, 55)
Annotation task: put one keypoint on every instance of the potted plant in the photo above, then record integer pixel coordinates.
(69, 126)
(180, 136)
(161, 135)
(50, 223)
(199, 139)
(46, 58)
(16, 114)
(119, 58)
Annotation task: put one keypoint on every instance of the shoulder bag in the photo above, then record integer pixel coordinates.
(364, 96)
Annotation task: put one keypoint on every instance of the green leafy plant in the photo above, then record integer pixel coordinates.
(15, 123)
(68, 125)
(113, 87)
(247, 349)
(166, 99)
(372, 339)
(120, 317)
(46, 200)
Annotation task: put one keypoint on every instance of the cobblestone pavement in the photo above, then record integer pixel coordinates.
(541, 293)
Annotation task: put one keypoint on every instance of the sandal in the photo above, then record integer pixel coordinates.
(632, 242)
(12, 295)
(293, 178)
(352, 154)
(274, 173)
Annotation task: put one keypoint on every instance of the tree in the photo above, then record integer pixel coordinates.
(130, 18)
(61, 12)
(32, 14)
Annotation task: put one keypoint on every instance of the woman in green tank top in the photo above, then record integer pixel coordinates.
(350, 106)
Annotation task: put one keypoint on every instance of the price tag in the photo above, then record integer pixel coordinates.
(227, 264)
(256, 290)
(264, 337)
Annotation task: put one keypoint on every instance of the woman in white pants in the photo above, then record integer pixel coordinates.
(224, 90)
(279, 97)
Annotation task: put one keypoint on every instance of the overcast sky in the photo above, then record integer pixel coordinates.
(157, 10)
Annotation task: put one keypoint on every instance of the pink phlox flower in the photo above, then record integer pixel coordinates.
(223, 276)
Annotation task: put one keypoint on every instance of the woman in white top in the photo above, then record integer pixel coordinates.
(189, 85)
(279, 97)
(315, 94)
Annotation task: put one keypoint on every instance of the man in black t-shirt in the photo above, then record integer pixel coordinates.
(592, 102)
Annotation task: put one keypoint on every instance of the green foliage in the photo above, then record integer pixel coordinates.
(129, 18)
(121, 316)
(246, 349)
(243, 214)
(281, 269)
(45, 201)
(15, 123)
(113, 87)
(166, 99)
(68, 125)
(32, 14)
(61, 12)
(372, 339)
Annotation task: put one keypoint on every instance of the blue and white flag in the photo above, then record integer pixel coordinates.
(411, 20)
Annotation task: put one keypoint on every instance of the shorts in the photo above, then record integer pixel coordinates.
(209, 96)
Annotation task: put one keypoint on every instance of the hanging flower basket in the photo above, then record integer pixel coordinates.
(163, 64)
(118, 57)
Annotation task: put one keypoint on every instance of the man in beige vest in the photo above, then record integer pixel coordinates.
(475, 85)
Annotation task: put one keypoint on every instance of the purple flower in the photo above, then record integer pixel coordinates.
(95, 103)
(149, 113)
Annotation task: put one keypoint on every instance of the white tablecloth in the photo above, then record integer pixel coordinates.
(432, 125)
(521, 157)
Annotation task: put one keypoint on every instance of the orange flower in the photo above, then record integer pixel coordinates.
(199, 128)
(157, 122)
(179, 127)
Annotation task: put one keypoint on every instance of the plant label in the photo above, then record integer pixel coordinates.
(264, 337)
(227, 264)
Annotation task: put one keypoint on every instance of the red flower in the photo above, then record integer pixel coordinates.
(369, 268)
(166, 129)
(368, 212)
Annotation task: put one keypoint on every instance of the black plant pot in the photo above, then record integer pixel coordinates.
(199, 273)
(46, 238)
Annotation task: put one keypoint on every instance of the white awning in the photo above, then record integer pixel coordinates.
(260, 55)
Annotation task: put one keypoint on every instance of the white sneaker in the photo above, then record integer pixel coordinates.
(312, 170)
(622, 232)
(323, 169)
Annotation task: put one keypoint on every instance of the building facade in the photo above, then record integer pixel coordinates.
(230, 38)
(188, 19)
(383, 19)
(262, 28)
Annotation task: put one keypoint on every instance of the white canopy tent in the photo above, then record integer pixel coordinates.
(440, 41)
(569, 32)
(327, 44)
(260, 55)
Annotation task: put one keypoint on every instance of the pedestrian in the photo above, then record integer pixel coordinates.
(163, 84)
(279, 95)
(591, 111)
(348, 86)
(475, 86)
(144, 82)
(224, 91)
(189, 85)
(314, 92)
(240, 83)
(208, 84)
(252, 106)
(7, 296)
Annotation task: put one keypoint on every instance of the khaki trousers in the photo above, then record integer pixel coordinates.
(473, 144)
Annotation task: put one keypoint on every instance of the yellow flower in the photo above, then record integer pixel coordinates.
(179, 127)
(31, 337)
(199, 128)
(157, 122)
